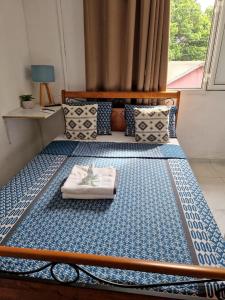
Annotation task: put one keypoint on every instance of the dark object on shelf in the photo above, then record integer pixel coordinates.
(50, 105)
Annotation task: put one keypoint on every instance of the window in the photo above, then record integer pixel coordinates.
(190, 28)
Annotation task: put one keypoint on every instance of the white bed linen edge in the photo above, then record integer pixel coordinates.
(117, 137)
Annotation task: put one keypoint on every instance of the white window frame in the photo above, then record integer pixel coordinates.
(214, 48)
(213, 53)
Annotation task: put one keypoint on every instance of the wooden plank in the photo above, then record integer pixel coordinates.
(118, 95)
(114, 262)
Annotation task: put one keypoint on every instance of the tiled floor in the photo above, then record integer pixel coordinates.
(211, 177)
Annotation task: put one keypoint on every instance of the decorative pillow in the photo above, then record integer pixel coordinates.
(151, 125)
(81, 121)
(130, 123)
(172, 121)
(103, 117)
(118, 120)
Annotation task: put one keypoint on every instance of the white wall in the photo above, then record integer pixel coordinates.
(14, 81)
(56, 36)
(73, 32)
(201, 124)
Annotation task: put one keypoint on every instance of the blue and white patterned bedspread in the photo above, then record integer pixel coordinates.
(112, 149)
(159, 213)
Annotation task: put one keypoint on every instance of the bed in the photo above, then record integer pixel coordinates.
(157, 239)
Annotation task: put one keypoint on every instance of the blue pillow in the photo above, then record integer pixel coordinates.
(130, 122)
(103, 115)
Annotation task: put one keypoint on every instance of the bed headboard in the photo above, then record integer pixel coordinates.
(110, 95)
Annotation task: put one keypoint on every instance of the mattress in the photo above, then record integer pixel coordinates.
(159, 213)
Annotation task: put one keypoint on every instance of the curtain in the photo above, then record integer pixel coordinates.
(126, 44)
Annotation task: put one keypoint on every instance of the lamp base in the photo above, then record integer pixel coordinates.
(44, 87)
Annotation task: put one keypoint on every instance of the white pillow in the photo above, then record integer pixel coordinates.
(151, 124)
(80, 121)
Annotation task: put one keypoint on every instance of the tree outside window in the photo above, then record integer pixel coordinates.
(189, 36)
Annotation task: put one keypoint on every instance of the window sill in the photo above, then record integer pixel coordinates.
(200, 91)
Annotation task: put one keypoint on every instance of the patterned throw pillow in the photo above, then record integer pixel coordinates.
(81, 121)
(103, 117)
(130, 123)
(172, 121)
(151, 125)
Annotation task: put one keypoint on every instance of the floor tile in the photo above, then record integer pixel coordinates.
(219, 167)
(211, 178)
(203, 169)
(219, 216)
(214, 191)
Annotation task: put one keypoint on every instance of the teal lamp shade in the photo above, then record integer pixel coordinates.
(42, 73)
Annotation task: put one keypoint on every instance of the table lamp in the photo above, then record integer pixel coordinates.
(43, 74)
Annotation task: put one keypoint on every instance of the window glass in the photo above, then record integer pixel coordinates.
(190, 28)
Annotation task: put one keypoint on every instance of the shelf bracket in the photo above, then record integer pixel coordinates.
(7, 130)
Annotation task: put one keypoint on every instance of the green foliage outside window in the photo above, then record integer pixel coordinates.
(189, 30)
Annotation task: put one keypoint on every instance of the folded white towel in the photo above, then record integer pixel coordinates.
(90, 181)
(83, 170)
(85, 197)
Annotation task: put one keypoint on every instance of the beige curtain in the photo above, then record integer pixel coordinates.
(126, 44)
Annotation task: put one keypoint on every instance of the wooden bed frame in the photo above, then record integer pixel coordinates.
(109, 96)
(14, 288)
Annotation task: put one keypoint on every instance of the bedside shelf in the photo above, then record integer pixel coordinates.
(30, 114)
(33, 113)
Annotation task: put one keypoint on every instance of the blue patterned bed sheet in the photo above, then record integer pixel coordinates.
(113, 149)
(193, 200)
(20, 184)
(60, 148)
(39, 167)
(141, 222)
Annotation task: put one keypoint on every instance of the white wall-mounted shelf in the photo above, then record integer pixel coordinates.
(37, 113)
(34, 113)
